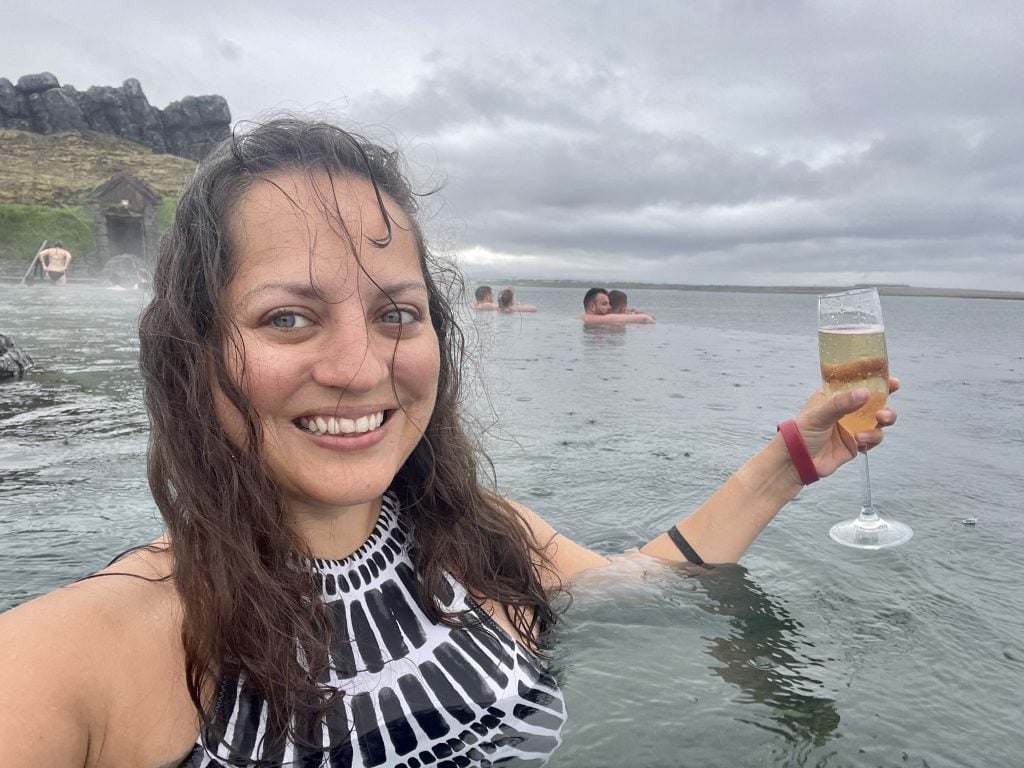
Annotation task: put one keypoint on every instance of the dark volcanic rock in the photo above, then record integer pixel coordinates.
(147, 117)
(104, 109)
(188, 128)
(57, 110)
(44, 81)
(14, 361)
(195, 122)
(9, 103)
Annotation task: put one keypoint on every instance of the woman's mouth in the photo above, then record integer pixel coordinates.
(322, 425)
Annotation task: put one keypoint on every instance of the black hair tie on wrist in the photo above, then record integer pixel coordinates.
(684, 546)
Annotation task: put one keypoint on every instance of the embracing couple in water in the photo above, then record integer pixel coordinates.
(601, 307)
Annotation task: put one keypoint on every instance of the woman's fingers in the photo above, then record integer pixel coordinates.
(886, 417)
(869, 439)
(825, 416)
(834, 408)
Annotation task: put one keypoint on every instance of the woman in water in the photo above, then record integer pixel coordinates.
(336, 584)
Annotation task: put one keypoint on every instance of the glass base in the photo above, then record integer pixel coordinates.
(876, 533)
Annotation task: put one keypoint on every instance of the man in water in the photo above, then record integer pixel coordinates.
(597, 311)
(55, 263)
(484, 298)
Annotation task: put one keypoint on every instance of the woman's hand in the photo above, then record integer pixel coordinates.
(829, 444)
(722, 528)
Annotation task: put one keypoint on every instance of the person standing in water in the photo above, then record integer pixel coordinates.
(55, 261)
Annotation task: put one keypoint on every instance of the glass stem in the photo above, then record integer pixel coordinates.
(868, 515)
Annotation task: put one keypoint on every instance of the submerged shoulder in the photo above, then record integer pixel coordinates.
(634, 318)
(637, 319)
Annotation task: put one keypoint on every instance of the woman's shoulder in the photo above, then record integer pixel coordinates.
(127, 608)
(563, 555)
(70, 659)
(132, 589)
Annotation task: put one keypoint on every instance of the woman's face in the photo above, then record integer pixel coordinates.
(339, 357)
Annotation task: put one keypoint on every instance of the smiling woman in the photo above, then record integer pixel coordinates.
(336, 584)
(331, 337)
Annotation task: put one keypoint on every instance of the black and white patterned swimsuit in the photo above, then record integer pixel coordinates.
(416, 693)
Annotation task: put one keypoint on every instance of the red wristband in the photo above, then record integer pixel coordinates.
(798, 452)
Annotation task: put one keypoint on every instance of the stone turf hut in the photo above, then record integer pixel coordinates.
(124, 214)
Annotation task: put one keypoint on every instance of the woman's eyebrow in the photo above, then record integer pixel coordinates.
(405, 286)
(304, 290)
(299, 290)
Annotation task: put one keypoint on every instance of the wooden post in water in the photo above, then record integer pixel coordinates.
(32, 265)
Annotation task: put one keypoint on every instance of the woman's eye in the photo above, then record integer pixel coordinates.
(288, 320)
(398, 316)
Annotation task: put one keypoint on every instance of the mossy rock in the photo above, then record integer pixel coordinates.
(62, 168)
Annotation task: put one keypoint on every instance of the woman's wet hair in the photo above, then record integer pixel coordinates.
(250, 608)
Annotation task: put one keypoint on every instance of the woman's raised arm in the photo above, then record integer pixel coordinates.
(722, 528)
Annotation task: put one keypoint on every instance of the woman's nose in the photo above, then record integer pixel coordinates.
(352, 358)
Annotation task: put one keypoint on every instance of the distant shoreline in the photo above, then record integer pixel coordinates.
(885, 290)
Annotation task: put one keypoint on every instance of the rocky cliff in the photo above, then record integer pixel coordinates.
(187, 128)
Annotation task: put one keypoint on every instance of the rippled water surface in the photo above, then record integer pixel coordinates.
(806, 654)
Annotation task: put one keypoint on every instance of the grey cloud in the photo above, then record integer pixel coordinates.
(788, 139)
(229, 50)
(536, 168)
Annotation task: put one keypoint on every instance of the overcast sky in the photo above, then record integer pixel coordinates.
(767, 142)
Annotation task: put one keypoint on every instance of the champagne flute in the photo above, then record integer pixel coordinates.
(851, 345)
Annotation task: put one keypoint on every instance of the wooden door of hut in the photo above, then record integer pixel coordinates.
(124, 211)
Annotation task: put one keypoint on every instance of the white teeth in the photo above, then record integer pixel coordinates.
(318, 425)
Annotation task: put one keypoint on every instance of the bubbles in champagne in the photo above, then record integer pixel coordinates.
(852, 357)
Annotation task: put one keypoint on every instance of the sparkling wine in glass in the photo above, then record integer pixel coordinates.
(851, 345)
